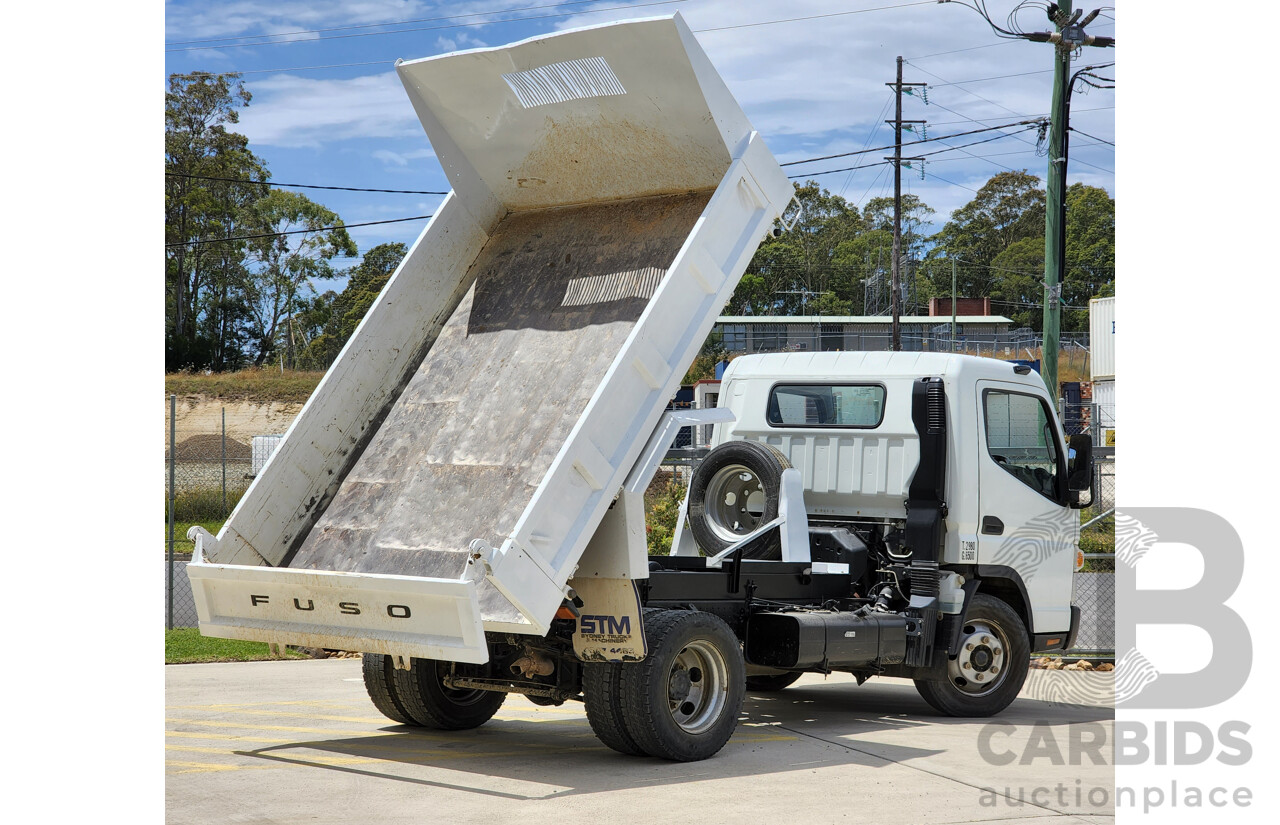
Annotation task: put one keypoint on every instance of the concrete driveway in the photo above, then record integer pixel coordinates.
(298, 741)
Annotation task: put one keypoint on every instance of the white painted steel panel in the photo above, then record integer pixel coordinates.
(1102, 338)
(396, 615)
(1104, 401)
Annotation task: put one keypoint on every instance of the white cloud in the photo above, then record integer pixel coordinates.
(459, 40)
(293, 111)
(402, 158)
(185, 21)
(251, 18)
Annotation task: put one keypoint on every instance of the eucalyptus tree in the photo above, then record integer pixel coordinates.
(293, 243)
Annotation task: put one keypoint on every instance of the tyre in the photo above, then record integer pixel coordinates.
(773, 681)
(682, 701)
(602, 690)
(736, 489)
(430, 704)
(378, 683)
(995, 653)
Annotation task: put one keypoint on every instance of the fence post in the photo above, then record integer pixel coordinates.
(1099, 505)
(173, 418)
(224, 462)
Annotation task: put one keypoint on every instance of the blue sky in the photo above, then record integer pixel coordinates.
(811, 86)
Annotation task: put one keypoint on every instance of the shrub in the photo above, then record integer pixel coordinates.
(662, 509)
(203, 504)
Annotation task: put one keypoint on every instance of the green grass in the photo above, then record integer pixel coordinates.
(200, 505)
(185, 645)
(258, 385)
(180, 528)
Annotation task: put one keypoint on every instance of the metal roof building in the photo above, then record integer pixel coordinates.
(829, 333)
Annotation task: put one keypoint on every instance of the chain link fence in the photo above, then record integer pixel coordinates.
(1094, 584)
(205, 474)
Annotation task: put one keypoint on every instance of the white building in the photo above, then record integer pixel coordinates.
(831, 333)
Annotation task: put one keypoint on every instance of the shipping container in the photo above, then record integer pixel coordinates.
(1102, 338)
(1104, 402)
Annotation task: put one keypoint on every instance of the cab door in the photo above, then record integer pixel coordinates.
(1024, 522)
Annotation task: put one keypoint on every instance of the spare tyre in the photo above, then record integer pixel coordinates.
(733, 492)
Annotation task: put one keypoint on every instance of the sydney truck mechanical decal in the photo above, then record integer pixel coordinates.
(606, 625)
(395, 611)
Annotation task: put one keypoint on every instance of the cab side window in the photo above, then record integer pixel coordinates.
(1020, 439)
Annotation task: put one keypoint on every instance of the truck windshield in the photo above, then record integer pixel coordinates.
(858, 406)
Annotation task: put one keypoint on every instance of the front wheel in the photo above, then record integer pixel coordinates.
(987, 674)
(682, 701)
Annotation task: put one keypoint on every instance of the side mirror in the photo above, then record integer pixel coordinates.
(1080, 471)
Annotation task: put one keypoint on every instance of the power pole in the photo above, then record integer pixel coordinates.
(897, 159)
(1068, 37)
(1055, 210)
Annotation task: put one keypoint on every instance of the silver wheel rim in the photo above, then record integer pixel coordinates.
(735, 502)
(982, 664)
(697, 687)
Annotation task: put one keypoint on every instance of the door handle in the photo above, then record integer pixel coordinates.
(992, 526)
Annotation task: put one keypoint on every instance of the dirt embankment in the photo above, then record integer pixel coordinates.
(201, 415)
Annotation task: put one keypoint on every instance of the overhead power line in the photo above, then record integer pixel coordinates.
(994, 77)
(817, 16)
(1028, 124)
(302, 185)
(1037, 115)
(957, 51)
(1086, 134)
(913, 142)
(975, 120)
(869, 165)
(294, 231)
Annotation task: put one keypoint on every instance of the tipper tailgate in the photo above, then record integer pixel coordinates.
(397, 615)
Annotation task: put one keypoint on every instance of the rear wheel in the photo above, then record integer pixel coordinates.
(988, 673)
(430, 704)
(602, 690)
(378, 682)
(682, 701)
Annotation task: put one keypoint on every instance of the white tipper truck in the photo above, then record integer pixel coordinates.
(461, 499)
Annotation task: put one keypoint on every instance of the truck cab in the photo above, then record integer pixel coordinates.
(843, 419)
(935, 493)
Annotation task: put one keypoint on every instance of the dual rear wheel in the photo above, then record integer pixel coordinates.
(419, 697)
(682, 701)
